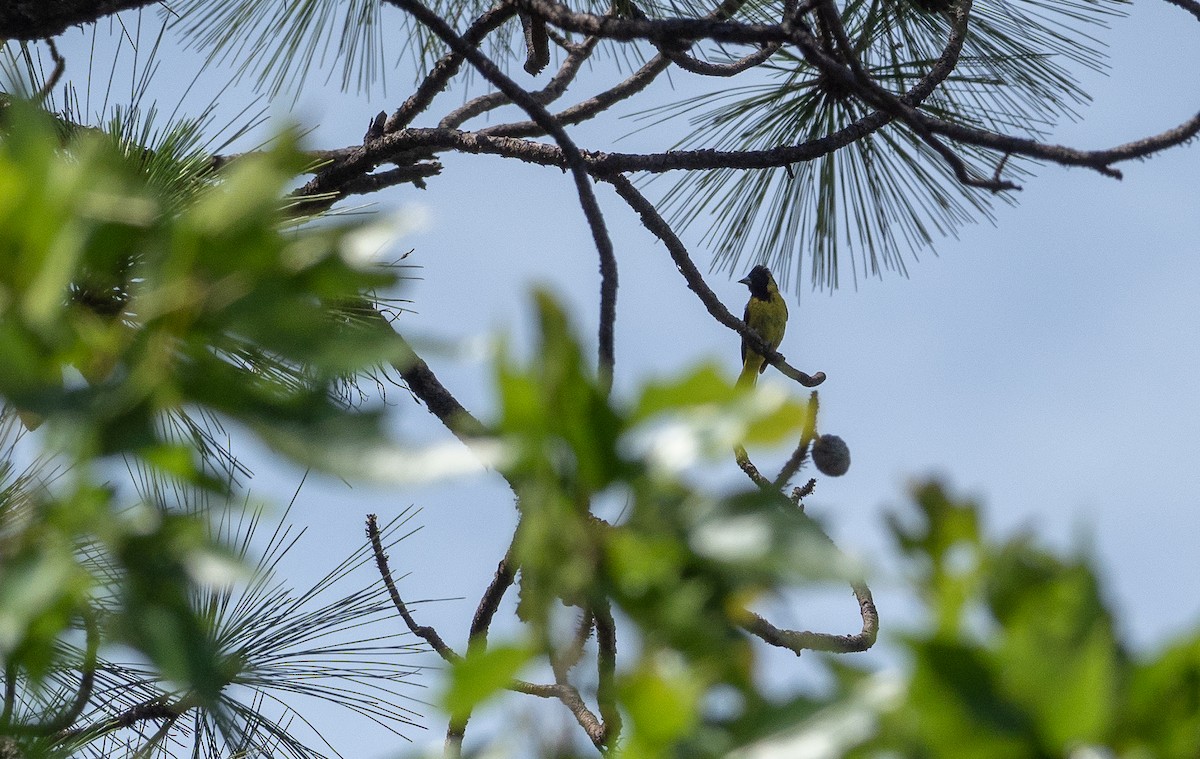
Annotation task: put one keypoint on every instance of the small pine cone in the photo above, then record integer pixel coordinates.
(831, 455)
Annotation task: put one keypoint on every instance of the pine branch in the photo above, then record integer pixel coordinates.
(39, 19)
(574, 159)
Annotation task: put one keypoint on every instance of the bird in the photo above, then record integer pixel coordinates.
(766, 314)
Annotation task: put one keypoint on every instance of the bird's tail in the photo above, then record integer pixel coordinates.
(750, 371)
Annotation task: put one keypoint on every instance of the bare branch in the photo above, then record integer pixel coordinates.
(593, 106)
(807, 435)
(569, 696)
(746, 465)
(489, 603)
(1098, 160)
(668, 31)
(425, 385)
(415, 174)
(799, 641)
(733, 68)
(60, 65)
(428, 634)
(37, 19)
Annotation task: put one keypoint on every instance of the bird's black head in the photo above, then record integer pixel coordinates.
(757, 280)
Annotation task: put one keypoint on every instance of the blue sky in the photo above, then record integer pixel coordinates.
(1045, 364)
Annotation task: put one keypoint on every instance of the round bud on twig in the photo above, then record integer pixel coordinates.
(831, 455)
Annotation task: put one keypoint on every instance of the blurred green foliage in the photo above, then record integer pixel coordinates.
(116, 315)
(126, 325)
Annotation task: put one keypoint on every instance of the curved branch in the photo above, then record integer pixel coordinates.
(569, 696)
(428, 634)
(714, 27)
(798, 641)
(87, 679)
(733, 68)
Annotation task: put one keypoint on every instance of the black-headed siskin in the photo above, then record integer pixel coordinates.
(766, 314)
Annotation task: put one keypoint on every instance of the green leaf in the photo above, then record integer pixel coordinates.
(662, 698)
(481, 675)
(703, 385)
(1162, 718)
(958, 709)
(1058, 653)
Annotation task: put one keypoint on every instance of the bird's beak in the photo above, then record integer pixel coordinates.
(744, 280)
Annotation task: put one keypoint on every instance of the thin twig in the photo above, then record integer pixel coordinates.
(428, 634)
(60, 65)
(801, 493)
(593, 106)
(807, 434)
(743, 461)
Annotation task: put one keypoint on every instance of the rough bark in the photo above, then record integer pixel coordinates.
(38, 19)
